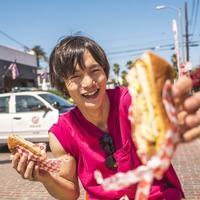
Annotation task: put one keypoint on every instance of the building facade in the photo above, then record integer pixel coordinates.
(26, 65)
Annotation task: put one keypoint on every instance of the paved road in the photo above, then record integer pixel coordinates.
(186, 162)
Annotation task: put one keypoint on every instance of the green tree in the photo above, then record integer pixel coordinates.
(124, 73)
(116, 69)
(113, 81)
(129, 64)
(124, 81)
(40, 54)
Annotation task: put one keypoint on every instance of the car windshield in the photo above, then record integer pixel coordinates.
(52, 99)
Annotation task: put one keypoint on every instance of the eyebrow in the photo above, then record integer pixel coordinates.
(94, 65)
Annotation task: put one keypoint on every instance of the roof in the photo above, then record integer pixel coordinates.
(9, 54)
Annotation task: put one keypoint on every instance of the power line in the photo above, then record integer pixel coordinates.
(195, 10)
(138, 51)
(112, 49)
(141, 49)
(14, 40)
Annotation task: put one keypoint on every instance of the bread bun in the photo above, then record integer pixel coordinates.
(147, 113)
(14, 140)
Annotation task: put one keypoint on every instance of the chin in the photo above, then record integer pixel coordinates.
(90, 105)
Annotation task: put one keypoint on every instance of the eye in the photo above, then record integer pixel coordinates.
(75, 76)
(96, 70)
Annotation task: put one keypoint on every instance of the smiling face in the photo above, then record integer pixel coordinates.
(87, 87)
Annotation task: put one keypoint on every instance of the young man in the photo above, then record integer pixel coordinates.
(97, 132)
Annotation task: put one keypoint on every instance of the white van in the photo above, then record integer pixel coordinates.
(30, 114)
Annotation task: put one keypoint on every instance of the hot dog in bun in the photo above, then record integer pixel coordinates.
(14, 140)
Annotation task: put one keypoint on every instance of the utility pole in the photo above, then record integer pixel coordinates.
(180, 25)
(186, 33)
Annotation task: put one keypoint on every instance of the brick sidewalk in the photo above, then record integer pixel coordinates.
(13, 187)
(186, 163)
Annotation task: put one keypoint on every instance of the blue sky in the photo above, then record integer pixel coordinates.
(124, 28)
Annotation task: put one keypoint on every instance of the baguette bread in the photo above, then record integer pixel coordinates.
(14, 140)
(147, 113)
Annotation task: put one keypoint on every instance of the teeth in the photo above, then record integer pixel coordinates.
(91, 93)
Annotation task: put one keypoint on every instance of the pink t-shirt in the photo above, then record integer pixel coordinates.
(80, 138)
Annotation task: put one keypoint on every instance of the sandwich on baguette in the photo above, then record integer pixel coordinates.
(147, 113)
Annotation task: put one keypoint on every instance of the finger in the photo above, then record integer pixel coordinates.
(191, 134)
(181, 117)
(36, 170)
(37, 167)
(193, 120)
(182, 86)
(28, 174)
(15, 160)
(179, 101)
(192, 103)
(22, 165)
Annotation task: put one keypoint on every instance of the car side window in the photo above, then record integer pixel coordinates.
(4, 106)
(27, 103)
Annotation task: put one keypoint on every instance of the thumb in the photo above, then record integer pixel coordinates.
(36, 172)
(40, 174)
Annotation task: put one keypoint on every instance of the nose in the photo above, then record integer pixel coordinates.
(87, 81)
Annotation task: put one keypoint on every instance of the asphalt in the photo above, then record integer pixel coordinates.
(186, 162)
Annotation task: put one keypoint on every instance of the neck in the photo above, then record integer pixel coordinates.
(98, 116)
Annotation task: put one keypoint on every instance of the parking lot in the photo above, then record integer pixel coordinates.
(186, 162)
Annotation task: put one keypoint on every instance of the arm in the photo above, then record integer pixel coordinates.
(188, 109)
(64, 185)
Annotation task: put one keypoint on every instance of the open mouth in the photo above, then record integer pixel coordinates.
(91, 95)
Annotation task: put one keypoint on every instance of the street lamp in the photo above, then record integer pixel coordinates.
(181, 29)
